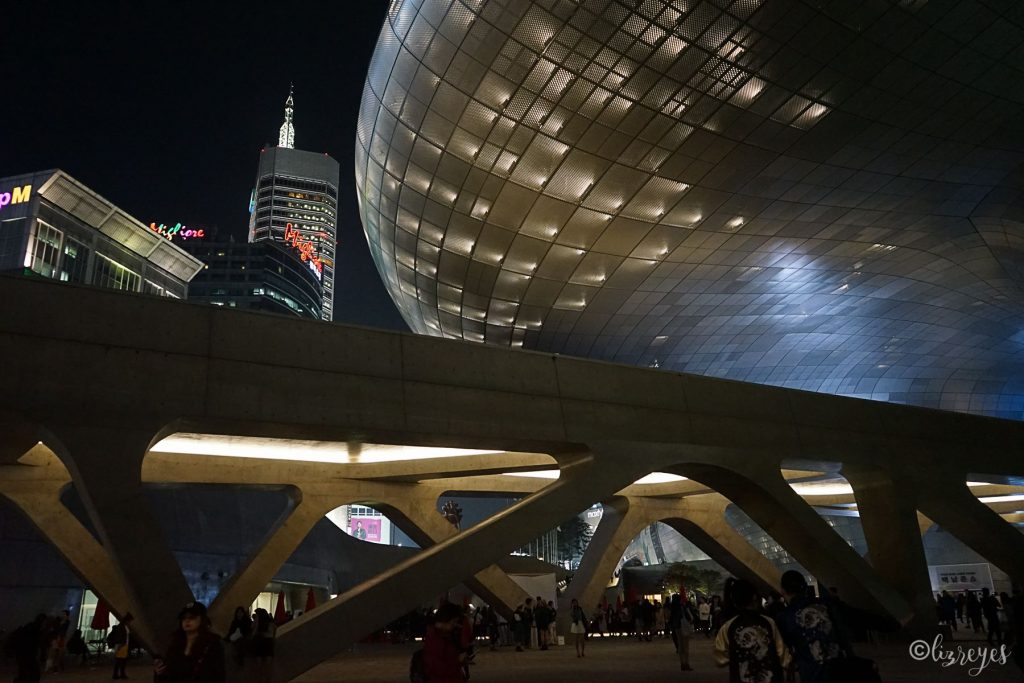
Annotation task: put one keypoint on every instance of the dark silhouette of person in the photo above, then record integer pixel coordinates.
(25, 644)
(973, 607)
(750, 643)
(810, 628)
(990, 608)
(442, 658)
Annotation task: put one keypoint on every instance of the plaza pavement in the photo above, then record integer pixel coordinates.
(608, 660)
(620, 660)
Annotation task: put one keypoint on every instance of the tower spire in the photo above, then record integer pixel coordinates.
(286, 137)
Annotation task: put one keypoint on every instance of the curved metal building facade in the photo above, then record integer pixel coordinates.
(819, 195)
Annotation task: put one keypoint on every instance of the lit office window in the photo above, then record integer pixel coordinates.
(113, 275)
(76, 261)
(44, 249)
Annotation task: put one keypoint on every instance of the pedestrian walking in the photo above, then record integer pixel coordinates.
(119, 640)
(262, 645)
(947, 610)
(239, 635)
(684, 630)
(578, 628)
(59, 642)
(675, 619)
(552, 623)
(520, 627)
(490, 620)
(974, 614)
(704, 616)
(990, 608)
(541, 620)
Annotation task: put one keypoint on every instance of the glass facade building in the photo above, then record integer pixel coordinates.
(53, 226)
(261, 276)
(784, 193)
(295, 204)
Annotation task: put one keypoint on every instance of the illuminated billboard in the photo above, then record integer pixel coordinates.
(365, 528)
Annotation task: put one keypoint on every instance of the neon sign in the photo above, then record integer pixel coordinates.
(178, 230)
(306, 249)
(17, 195)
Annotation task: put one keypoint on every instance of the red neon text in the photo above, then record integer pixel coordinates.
(306, 249)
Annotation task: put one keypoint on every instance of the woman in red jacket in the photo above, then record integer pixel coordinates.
(442, 657)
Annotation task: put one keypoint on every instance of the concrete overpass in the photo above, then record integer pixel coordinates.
(94, 381)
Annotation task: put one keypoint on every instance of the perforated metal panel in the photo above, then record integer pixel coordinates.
(70, 196)
(127, 231)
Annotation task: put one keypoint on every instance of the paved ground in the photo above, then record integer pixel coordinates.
(609, 660)
(618, 660)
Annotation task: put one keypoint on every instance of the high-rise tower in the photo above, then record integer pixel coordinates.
(295, 202)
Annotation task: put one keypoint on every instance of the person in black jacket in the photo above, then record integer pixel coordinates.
(990, 607)
(25, 644)
(542, 619)
(195, 654)
(750, 643)
(120, 641)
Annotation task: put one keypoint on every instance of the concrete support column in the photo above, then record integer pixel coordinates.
(331, 627)
(951, 504)
(105, 463)
(703, 522)
(619, 525)
(418, 517)
(893, 533)
(260, 568)
(787, 518)
(35, 487)
(700, 518)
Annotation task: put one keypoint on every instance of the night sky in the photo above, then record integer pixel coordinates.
(162, 108)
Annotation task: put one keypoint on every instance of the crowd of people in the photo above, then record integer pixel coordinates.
(982, 612)
(534, 624)
(760, 641)
(194, 654)
(43, 645)
(789, 634)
